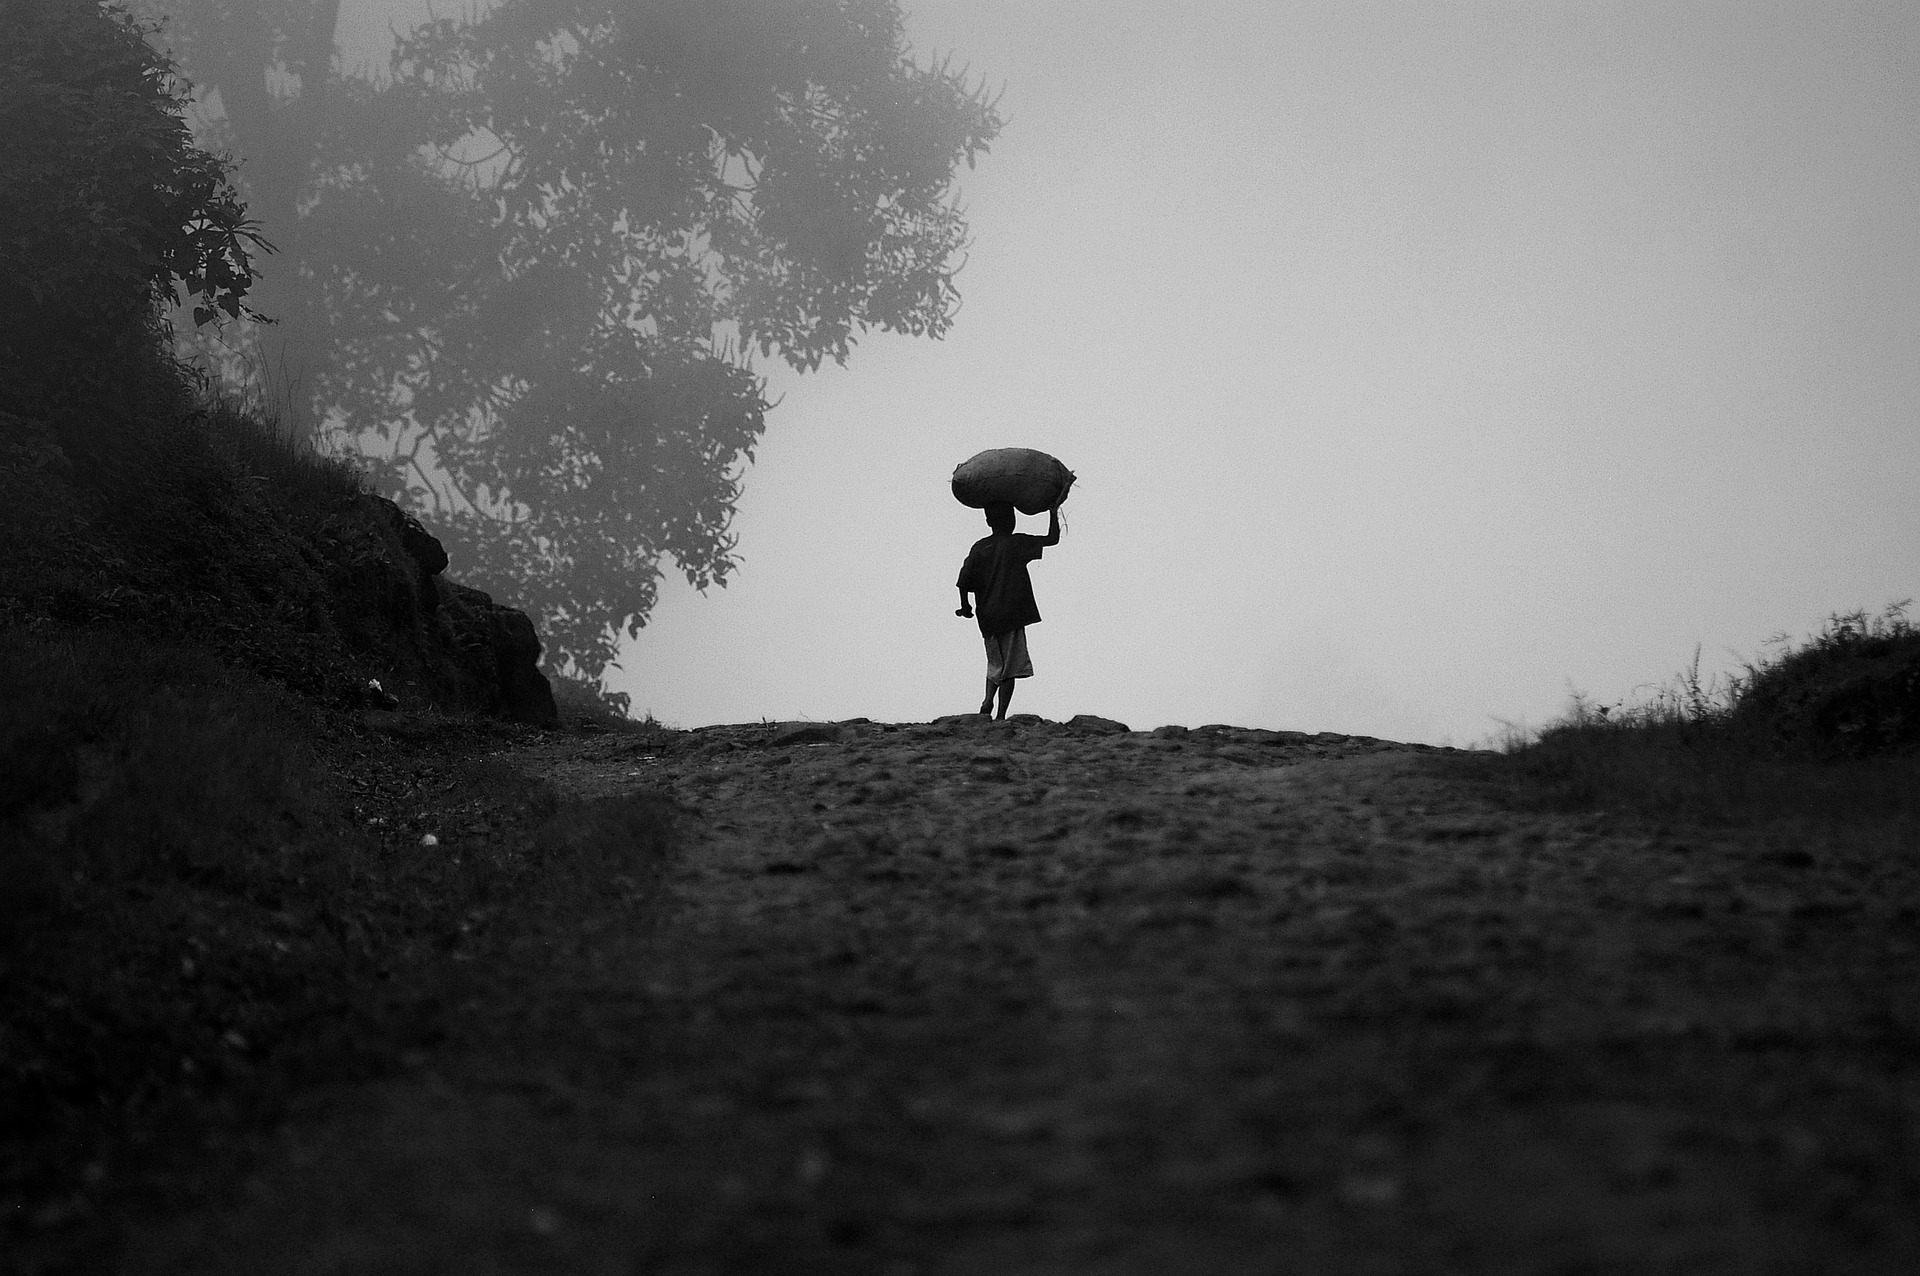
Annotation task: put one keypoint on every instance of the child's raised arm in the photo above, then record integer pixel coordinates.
(1053, 526)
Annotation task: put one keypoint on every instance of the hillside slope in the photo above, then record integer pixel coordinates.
(200, 628)
(196, 525)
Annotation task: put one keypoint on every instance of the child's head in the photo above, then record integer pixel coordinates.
(1000, 517)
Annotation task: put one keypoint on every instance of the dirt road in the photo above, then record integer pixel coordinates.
(1016, 998)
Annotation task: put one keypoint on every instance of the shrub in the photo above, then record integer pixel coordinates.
(1853, 690)
(1823, 733)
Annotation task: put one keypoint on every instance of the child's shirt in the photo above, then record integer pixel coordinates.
(996, 574)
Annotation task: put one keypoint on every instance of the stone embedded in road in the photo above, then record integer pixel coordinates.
(805, 733)
(1091, 724)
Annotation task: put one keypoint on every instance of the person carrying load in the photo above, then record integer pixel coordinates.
(995, 572)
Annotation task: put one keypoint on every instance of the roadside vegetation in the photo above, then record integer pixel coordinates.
(228, 870)
(226, 874)
(1819, 739)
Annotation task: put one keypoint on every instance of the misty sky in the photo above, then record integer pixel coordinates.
(1417, 361)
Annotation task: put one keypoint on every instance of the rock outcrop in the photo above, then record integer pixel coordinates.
(437, 642)
(497, 654)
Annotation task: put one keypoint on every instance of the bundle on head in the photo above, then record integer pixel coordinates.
(1032, 482)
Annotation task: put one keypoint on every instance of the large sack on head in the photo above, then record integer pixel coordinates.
(1032, 482)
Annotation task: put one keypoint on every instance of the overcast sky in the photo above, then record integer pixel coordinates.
(1418, 363)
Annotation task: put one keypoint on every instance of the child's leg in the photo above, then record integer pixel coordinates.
(986, 705)
(1006, 696)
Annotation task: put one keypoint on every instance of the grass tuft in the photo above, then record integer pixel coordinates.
(263, 450)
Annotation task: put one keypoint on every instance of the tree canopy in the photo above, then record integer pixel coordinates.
(530, 268)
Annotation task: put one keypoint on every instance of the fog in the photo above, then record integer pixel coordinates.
(1418, 364)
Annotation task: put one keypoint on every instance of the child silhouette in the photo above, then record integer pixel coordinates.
(995, 573)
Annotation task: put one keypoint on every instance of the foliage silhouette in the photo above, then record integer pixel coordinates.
(1820, 737)
(531, 267)
(106, 204)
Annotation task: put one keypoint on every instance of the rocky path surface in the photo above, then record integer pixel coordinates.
(1012, 998)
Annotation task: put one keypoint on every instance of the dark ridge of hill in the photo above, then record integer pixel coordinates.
(199, 527)
(195, 620)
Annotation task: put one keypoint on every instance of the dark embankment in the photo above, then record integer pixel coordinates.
(235, 688)
(235, 693)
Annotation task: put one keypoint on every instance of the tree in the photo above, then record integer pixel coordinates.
(531, 269)
(106, 205)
